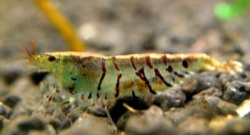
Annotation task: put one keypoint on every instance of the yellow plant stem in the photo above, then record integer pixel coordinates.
(62, 24)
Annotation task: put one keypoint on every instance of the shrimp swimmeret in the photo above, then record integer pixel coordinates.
(91, 76)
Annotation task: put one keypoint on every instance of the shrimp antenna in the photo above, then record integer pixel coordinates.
(26, 50)
(33, 46)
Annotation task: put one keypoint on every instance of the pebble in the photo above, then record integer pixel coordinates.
(212, 91)
(11, 71)
(60, 125)
(121, 123)
(193, 126)
(221, 107)
(37, 77)
(11, 100)
(172, 97)
(31, 124)
(176, 115)
(244, 109)
(225, 78)
(236, 126)
(151, 122)
(236, 91)
(22, 125)
(199, 82)
(5, 110)
(199, 108)
(89, 125)
(217, 123)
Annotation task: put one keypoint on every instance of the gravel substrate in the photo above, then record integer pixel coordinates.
(207, 106)
(205, 103)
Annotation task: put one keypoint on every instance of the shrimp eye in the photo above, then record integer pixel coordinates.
(51, 58)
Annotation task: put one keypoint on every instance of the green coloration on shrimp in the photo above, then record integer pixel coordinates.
(93, 76)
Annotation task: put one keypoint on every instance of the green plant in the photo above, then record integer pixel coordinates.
(228, 11)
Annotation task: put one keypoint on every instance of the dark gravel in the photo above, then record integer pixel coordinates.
(236, 92)
(151, 122)
(173, 97)
(11, 100)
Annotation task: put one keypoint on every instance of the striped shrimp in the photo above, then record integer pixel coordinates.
(91, 76)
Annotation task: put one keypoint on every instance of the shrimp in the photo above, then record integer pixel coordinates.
(94, 76)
